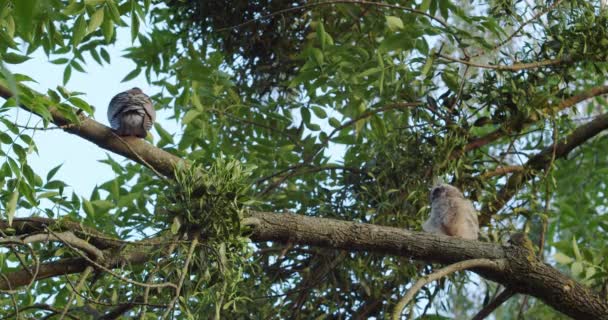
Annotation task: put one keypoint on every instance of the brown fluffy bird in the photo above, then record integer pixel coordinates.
(451, 213)
(131, 113)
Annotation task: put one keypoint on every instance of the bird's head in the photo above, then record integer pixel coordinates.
(445, 190)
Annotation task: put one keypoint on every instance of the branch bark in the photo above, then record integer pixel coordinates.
(133, 148)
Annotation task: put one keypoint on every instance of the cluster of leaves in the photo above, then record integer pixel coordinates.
(210, 202)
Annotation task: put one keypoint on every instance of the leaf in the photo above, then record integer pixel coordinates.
(96, 20)
(577, 252)
(134, 73)
(319, 112)
(11, 206)
(104, 54)
(305, 115)
(562, 258)
(52, 172)
(134, 26)
(81, 104)
(576, 268)
(176, 225)
(334, 122)
(59, 61)
(14, 58)
(88, 207)
(67, 73)
(190, 115)
(74, 8)
(394, 23)
(107, 28)
(80, 30)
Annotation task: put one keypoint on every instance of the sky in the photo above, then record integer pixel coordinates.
(81, 169)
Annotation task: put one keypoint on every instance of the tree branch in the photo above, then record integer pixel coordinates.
(133, 148)
(496, 265)
(523, 271)
(540, 161)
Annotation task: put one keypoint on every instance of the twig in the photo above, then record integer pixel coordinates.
(183, 275)
(139, 157)
(83, 277)
(495, 303)
(501, 171)
(513, 67)
(462, 265)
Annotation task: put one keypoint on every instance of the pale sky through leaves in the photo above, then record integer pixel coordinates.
(81, 168)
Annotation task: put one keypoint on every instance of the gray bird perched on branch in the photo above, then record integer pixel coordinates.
(131, 113)
(451, 213)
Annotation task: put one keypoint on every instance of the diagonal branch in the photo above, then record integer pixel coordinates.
(540, 162)
(133, 148)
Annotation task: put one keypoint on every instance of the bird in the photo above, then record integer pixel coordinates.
(451, 213)
(131, 113)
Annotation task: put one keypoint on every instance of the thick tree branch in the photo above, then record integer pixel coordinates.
(523, 272)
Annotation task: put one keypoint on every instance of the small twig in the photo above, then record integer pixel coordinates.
(183, 275)
(139, 157)
(501, 171)
(513, 67)
(87, 271)
(494, 304)
(458, 266)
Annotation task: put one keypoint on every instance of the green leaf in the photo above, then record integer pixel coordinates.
(14, 58)
(52, 172)
(562, 258)
(577, 252)
(134, 26)
(67, 73)
(96, 20)
(107, 28)
(11, 206)
(190, 115)
(176, 225)
(59, 61)
(134, 73)
(576, 268)
(102, 206)
(114, 12)
(88, 207)
(74, 8)
(394, 23)
(80, 30)
(164, 135)
(81, 104)
(334, 122)
(5, 138)
(305, 114)
(104, 54)
(319, 112)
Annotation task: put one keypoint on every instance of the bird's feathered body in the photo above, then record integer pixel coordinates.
(451, 214)
(131, 113)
